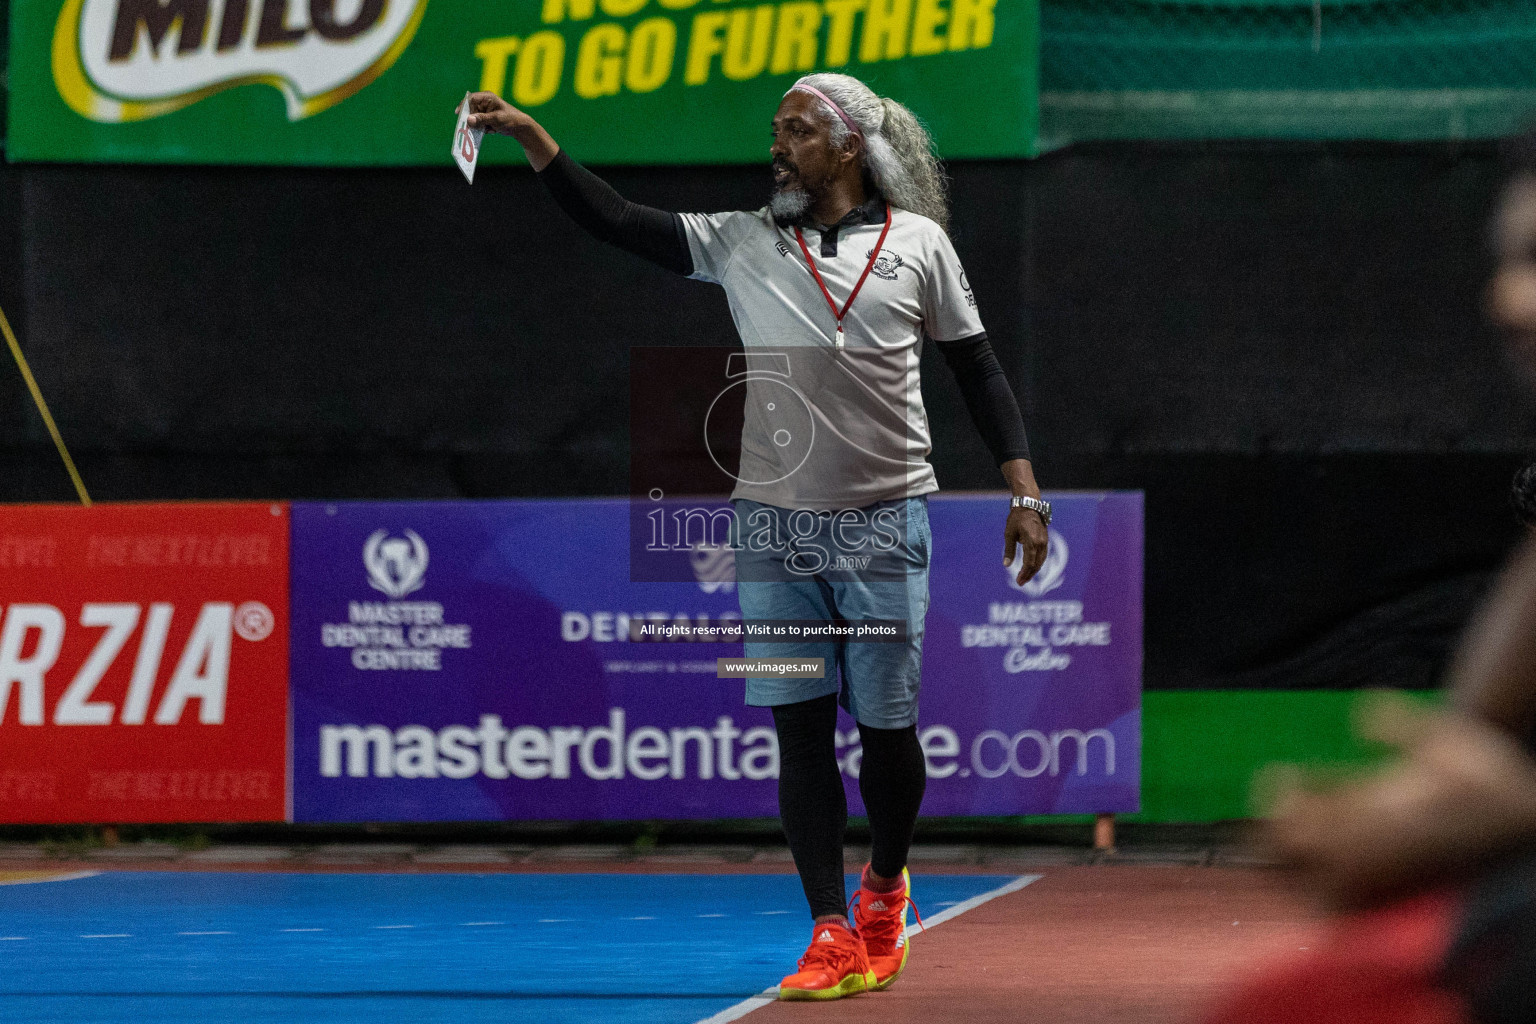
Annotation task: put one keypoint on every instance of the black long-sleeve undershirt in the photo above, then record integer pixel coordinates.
(658, 236)
(988, 396)
(590, 201)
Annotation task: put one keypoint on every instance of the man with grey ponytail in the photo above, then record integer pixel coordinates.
(898, 161)
(834, 287)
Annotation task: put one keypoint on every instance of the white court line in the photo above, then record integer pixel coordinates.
(480, 924)
(642, 917)
(119, 935)
(976, 901)
(205, 933)
(746, 1006)
(714, 915)
(13, 938)
(556, 920)
(303, 929)
(771, 995)
(68, 876)
(769, 913)
(391, 927)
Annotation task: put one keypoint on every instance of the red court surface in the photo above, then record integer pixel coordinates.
(1088, 945)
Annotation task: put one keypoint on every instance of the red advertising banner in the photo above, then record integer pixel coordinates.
(143, 663)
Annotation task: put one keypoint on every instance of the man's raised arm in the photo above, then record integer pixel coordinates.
(652, 234)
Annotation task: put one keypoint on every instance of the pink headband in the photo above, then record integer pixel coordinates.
(852, 126)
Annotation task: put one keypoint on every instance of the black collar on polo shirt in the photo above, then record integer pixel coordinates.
(872, 212)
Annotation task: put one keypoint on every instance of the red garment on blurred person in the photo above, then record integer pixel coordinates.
(1377, 967)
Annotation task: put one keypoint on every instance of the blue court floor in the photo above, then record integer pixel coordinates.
(339, 948)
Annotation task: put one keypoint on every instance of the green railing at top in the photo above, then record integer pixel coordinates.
(1396, 69)
(5, 56)
(1268, 4)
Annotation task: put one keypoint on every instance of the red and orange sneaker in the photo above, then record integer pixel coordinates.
(881, 921)
(834, 965)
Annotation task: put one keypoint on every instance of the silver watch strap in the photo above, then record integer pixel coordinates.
(1035, 504)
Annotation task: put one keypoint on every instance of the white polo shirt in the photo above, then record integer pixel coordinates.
(853, 430)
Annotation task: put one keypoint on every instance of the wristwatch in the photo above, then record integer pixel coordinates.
(1042, 507)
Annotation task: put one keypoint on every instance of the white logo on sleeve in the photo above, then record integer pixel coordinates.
(396, 566)
(1052, 571)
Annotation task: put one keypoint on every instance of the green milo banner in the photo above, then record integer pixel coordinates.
(359, 82)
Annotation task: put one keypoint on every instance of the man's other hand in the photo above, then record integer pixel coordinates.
(1025, 536)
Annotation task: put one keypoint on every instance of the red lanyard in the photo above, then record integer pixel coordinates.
(873, 256)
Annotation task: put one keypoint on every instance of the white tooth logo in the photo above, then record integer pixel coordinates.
(127, 60)
(714, 566)
(396, 567)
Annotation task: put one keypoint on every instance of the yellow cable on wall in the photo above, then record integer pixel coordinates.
(42, 407)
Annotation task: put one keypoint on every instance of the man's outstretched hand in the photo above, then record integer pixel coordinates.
(491, 113)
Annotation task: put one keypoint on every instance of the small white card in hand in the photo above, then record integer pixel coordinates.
(466, 143)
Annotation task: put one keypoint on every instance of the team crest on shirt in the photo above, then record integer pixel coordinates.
(887, 265)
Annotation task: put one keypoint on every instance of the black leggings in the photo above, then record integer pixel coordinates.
(814, 811)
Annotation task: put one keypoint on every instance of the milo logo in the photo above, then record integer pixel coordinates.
(127, 60)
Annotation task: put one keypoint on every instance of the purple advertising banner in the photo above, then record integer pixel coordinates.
(473, 661)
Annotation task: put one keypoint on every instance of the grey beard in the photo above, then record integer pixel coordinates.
(790, 205)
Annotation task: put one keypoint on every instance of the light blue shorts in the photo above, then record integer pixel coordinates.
(877, 682)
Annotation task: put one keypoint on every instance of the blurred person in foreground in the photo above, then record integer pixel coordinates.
(1522, 495)
(1432, 860)
(845, 273)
